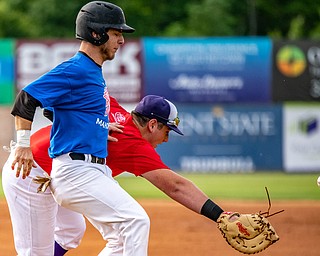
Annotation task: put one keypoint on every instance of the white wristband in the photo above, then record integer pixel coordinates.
(23, 138)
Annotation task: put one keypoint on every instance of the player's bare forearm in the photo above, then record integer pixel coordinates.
(178, 188)
(22, 124)
(23, 158)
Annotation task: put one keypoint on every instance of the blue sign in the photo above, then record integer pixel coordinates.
(6, 61)
(225, 139)
(7, 71)
(208, 69)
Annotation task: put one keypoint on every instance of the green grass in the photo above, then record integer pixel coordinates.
(242, 186)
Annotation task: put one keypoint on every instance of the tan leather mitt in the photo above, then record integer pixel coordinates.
(247, 233)
(43, 182)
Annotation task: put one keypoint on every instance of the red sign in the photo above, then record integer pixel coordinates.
(122, 75)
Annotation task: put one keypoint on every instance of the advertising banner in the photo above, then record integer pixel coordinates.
(208, 70)
(296, 71)
(122, 75)
(301, 137)
(228, 138)
(6, 71)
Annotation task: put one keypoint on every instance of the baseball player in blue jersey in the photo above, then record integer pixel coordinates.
(76, 91)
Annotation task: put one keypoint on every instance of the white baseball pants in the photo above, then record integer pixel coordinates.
(89, 189)
(36, 218)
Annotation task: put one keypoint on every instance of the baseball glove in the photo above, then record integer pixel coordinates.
(248, 233)
(43, 181)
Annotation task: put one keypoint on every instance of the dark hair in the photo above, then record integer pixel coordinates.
(143, 120)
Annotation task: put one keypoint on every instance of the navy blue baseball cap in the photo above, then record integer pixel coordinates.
(157, 107)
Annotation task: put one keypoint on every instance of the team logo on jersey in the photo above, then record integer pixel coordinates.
(107, 98)
(118, 117)
(102, 123)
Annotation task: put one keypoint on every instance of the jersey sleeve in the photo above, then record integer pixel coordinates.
(50, 88)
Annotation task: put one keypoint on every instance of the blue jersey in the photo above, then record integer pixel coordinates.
(76, 91)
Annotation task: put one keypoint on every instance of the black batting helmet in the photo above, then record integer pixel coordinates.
(99, 16)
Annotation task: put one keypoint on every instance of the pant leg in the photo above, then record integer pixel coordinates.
(90, 190)
(32, 214)
(70, 228)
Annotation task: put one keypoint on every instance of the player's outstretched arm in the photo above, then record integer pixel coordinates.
(184, 192)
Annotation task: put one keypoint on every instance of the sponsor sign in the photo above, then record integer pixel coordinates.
(228, 138)
(296, 71)
(208, 69)
(6, 71)
(123, 74)
(301, 137)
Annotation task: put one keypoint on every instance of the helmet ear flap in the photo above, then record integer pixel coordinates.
(98, 38)
(98, 16)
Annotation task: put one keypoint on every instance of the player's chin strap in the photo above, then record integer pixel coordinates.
(267, 213)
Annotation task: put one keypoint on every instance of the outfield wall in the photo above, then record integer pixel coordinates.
(226, 138)
(245, 103)
(233, 138)
(301, 137)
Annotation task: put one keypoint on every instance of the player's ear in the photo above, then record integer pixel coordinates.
(152, 125)
(95, 35)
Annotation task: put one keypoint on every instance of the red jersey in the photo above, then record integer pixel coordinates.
(131, 153)
(39, 143)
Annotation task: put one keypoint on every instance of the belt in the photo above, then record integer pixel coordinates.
(94, 159)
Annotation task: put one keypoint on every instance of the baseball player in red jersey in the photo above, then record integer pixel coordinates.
(142, 130)
(146, 127)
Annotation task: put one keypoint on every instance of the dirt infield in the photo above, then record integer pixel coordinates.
(176, 231)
